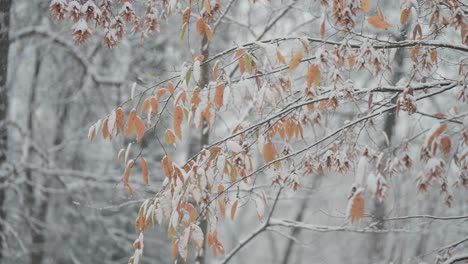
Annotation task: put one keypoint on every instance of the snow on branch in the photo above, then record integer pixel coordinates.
(75, 52)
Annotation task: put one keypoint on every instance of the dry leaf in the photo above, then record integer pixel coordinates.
(269, 152)
(378, 21)
(139, 128)
(144, 170)
(130, 124)
(178, 117)
(219, 95)
(167, 166)
(436, 134)
(405, 15)
(446, 143)
(365, 6)
(295, 61)
(234, 209)
(357, 208)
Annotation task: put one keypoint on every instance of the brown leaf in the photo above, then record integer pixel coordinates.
(280, 57)
(405, 15)
(269, 152)
(105, 129)
(201, 27)
(178, 117)
(446, 143)
(219, 96)
(167, 166)
(436, 134)
(169, 137)
(378, 21)
(357, 208)
(130, 124)
(170, 87)
(234, 209)
(144, 170)
(313, 76)
(222, 207)
(119, 118)
(139, 128)
(295, 61)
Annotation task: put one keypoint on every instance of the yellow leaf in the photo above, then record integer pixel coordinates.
(365, 5)
(121, 154)
(296, 59)
(169, 137)
(280, 57)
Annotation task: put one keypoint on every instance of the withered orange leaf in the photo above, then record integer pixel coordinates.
(127, 171)
(170, 87)
(169, 137)
(405, 15)
(446, 143)
(105, 128)
(378, 21)
(357, 208)
(130, 124)
(222, 207)
(313, 76)
(295, 61)
(219, 95)
(139, 128)
(234, 209)
(269, 152)
(201, 27)
(167, 166)
(178, 117)
(119, 118)
(145, 105)
(280, 57)
(144, 170)
(436, 134)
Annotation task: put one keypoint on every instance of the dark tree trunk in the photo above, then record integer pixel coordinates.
(5, 6)
(197, 144)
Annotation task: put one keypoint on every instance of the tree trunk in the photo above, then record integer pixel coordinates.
(377, 241)
(5, 6)
(197, 144)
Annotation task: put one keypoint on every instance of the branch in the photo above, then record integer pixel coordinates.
(259, 230)
(457, 258)
(323, 228)
(75, 52)
(427, 217)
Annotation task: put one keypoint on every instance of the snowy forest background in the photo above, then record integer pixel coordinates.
(64, 200)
